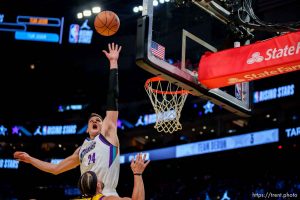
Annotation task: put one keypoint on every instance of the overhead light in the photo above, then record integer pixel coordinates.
(79, 15)
(96, 9)
(87, 13)
(136, 9)
(231, 130)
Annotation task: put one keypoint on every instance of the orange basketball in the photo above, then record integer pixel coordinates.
(107, 23)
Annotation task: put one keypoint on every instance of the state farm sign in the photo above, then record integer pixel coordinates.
(259, 60)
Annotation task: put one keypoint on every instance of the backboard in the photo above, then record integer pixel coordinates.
(172, 37)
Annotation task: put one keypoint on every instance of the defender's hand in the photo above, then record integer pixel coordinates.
(138, 166)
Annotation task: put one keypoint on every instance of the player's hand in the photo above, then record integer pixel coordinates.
(138, 166)
(22, 156)
(113, 54)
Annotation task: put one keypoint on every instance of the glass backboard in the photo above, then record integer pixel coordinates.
(171, 38)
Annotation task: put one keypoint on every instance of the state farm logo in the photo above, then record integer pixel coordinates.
(235, 80)
(256, 57)
(275, 53)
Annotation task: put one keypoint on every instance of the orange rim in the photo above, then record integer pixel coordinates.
(156, 79)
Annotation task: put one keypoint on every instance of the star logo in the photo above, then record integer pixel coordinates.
(15, 130)
(208, 107)
(3, 130)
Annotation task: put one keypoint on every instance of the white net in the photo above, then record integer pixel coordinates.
(167, 100)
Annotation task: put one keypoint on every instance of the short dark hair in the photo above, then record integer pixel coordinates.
(88, 184)
(95, 115)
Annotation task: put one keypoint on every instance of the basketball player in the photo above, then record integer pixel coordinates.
(91, 186)
(100, 151)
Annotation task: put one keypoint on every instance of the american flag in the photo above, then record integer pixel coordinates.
(158, 50)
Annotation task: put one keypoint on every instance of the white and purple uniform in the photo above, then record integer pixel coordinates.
(103, 158)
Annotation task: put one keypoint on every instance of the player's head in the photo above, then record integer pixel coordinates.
(89, 184)
(94, 125)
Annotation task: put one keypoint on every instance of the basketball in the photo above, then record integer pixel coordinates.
(107, 23)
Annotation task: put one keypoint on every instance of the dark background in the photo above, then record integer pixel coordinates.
(78, 74)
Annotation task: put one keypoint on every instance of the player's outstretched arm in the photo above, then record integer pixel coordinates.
(65, 165)
(138, 166)
(109, 127)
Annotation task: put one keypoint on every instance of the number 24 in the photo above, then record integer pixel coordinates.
(92, 158)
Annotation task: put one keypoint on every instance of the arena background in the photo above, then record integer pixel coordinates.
(52, 85)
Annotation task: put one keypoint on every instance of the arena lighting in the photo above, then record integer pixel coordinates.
(79, 15)
(96, 9)
(136, 9)
(87, 13)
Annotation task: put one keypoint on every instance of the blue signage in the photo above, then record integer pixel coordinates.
(36, 36)
(204, 147)
(42, 29)
(274, 93)
(292, 132)
(9, 164)
(80, 34)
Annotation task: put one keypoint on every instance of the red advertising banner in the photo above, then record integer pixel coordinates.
(263, 59)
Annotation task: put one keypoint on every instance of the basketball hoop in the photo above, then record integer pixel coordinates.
(167, 100)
